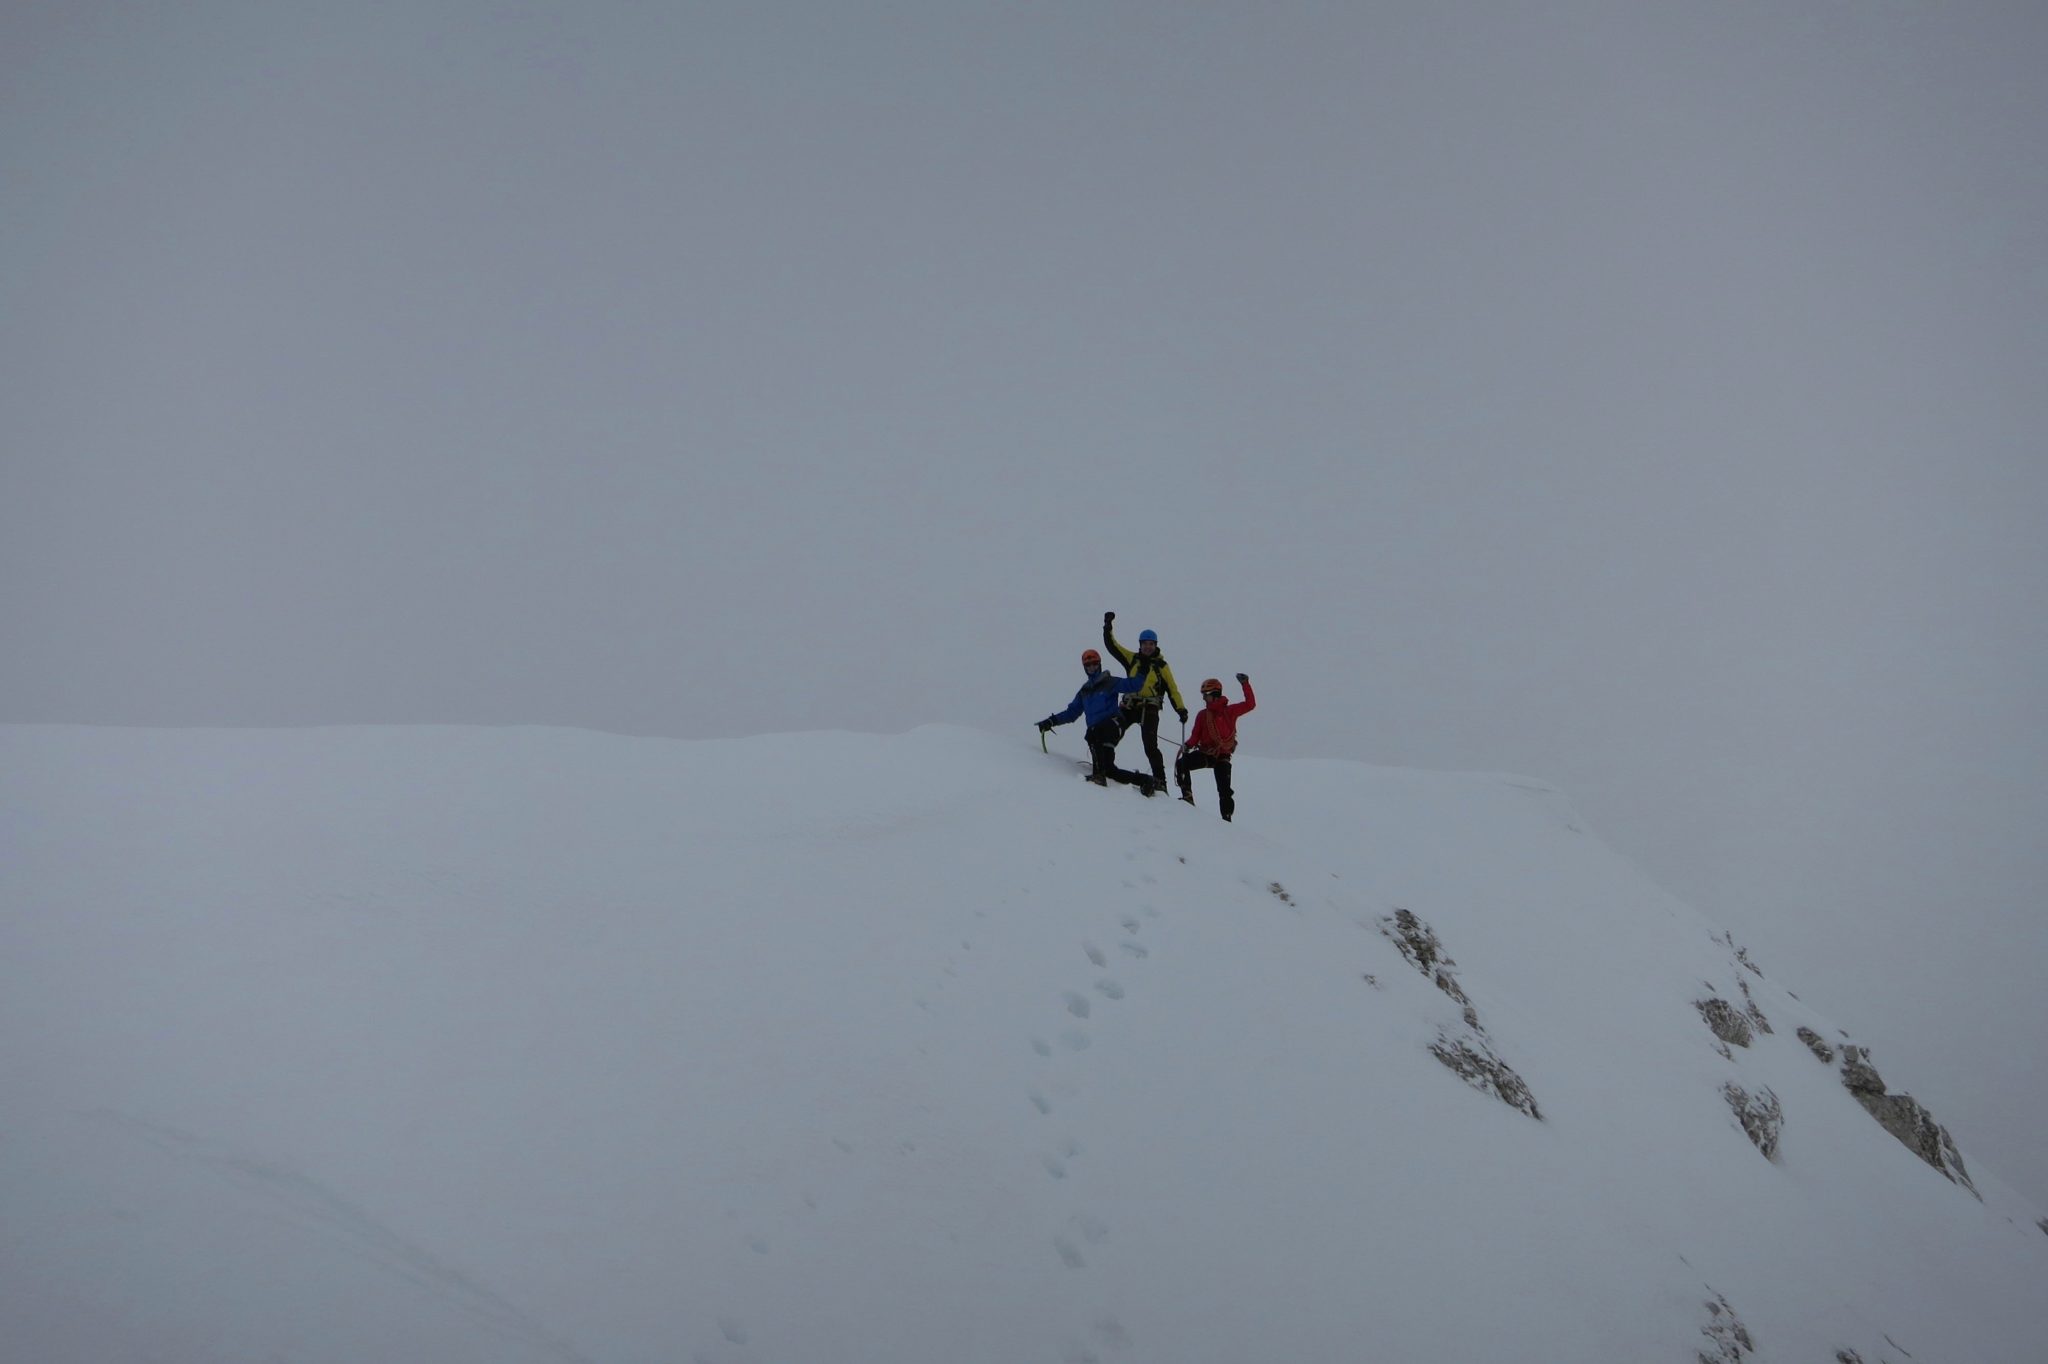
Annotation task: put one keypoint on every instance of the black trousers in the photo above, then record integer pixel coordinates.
(1147, 720)
(1189, 760)
(1102, 748)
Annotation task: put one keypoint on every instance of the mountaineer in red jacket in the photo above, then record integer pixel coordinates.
(1213, 741)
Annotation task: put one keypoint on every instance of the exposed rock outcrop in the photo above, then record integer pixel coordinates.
(1904, 1117)
(1421, 948)
(1725, 1332)
(1472, 1058)
(1730, 1025)
(1750, 1009)
(1761, 1115)
(1858, 1074)
(1470, 1054)
(1416, 940)
(1817, 1044)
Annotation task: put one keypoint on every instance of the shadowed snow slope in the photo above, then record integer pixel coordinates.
(498, 1046)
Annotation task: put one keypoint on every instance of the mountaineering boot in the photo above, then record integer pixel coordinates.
(1095, 777)
(1148, 787)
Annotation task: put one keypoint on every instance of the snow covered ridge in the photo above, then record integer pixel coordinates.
(518, 1045)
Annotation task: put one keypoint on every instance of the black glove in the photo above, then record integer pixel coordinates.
(1045, 724)
(1242, 679)
(1182, 712)
(1108, 616)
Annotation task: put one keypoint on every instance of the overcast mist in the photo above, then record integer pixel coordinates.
(1651, 398)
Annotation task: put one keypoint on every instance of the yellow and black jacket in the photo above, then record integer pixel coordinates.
(1158, 676)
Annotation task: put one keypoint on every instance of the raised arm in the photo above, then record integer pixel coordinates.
(1118, 651)
(1250, 701)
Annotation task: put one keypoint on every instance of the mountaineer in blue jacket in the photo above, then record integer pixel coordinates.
(1097, 699)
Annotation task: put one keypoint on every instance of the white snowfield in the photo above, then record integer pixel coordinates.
(468, 1046)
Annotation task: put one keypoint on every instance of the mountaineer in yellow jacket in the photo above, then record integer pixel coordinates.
(1142, 706)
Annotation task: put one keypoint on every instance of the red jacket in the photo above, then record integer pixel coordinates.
(1216, 723)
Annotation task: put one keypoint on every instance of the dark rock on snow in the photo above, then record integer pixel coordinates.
(1761, 1115)
(1728, 1025)
(1817, 1045)
(1904, 1117)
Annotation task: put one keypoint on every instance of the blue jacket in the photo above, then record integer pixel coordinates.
(1097, 698)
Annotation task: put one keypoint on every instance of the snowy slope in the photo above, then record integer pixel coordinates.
(463, 1045)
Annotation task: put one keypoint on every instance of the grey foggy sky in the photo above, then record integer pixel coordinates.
(1647, 397)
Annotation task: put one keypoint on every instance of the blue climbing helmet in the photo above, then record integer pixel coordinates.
(1148, 636)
